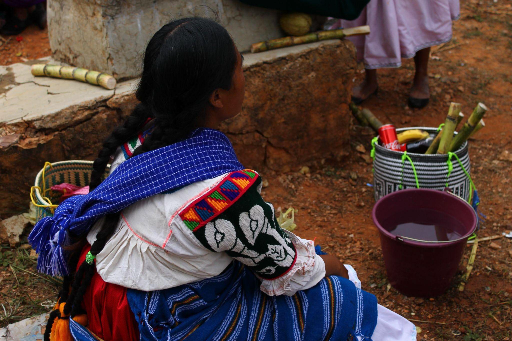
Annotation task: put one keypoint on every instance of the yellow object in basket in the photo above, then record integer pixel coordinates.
(412, 135)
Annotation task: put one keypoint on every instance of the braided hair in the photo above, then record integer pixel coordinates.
(184, 63)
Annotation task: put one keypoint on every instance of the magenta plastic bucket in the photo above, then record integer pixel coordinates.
(417, 268)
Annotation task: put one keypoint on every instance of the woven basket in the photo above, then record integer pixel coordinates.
(75, 172)
(391, 173)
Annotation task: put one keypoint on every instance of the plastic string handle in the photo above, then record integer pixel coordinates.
(51, 206)
(450, 169)
(405, 156)
(374, 142)
(372, 153)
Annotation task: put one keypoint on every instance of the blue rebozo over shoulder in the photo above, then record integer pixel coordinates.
(205, 155)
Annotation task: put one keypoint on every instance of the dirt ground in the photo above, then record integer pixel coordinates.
(334, 201)
(30, 44)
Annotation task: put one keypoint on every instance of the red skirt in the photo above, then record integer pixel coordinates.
(108, 312)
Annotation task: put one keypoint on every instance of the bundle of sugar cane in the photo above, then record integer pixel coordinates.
(469, 127)
(76, 73)
(449, 128)
(479, 126)
(309, 38)
(435, 143)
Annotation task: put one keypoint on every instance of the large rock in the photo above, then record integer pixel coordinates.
(110, 36)
(295, 112)
(12, 228)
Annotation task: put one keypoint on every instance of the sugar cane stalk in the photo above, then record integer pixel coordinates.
(468, 127)
(435, 143)
(309, 38)
(479, 126)
(76, 73)
(372, 120)
(449, 128)
(469, 268)
(358, 115)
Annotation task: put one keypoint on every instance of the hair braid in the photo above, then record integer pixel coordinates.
(53, 315)
(120, 135)
(168, 131)
(77, 280)
(66, 284)
(84, 274)
(76, 303)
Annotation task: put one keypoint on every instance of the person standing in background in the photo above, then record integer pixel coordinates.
(401, 29)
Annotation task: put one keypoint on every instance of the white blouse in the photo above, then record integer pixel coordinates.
(152, 248)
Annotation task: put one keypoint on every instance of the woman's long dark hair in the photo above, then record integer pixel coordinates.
(184, 62)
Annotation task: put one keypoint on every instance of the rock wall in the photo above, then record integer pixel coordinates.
(110, 36)
(295, 112)
(295, 109)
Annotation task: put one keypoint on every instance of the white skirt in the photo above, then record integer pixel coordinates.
(390, 326)
(400, 28)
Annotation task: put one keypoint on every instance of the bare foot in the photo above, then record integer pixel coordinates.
(367, 87)
(420, 89)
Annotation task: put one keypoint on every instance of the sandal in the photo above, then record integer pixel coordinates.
(358, 100)
(417, 103)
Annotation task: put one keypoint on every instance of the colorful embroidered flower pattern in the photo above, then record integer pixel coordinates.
(218, 199)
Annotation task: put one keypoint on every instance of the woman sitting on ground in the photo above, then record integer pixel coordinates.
(177, 243)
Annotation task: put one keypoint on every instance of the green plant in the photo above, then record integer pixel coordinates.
(472, 335)
(23, 259)
(6, 258)
(8, 311)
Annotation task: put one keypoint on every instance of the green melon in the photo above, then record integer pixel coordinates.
(296, 24)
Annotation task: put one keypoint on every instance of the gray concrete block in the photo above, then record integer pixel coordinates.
(111, 36)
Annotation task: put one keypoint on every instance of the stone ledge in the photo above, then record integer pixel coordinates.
(24, 97)
(295, 112)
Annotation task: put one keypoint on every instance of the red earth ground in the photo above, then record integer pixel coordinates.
(30, 44)
(334, 202)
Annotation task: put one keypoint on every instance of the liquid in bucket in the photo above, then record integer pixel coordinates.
(424, 225)
(423, 266)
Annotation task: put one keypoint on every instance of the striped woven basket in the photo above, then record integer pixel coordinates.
(75, 172)
(393, 171)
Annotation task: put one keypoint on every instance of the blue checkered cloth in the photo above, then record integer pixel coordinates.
(206, 154)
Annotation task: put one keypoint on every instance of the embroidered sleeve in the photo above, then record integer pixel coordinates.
(233, 217)
(308, 270)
